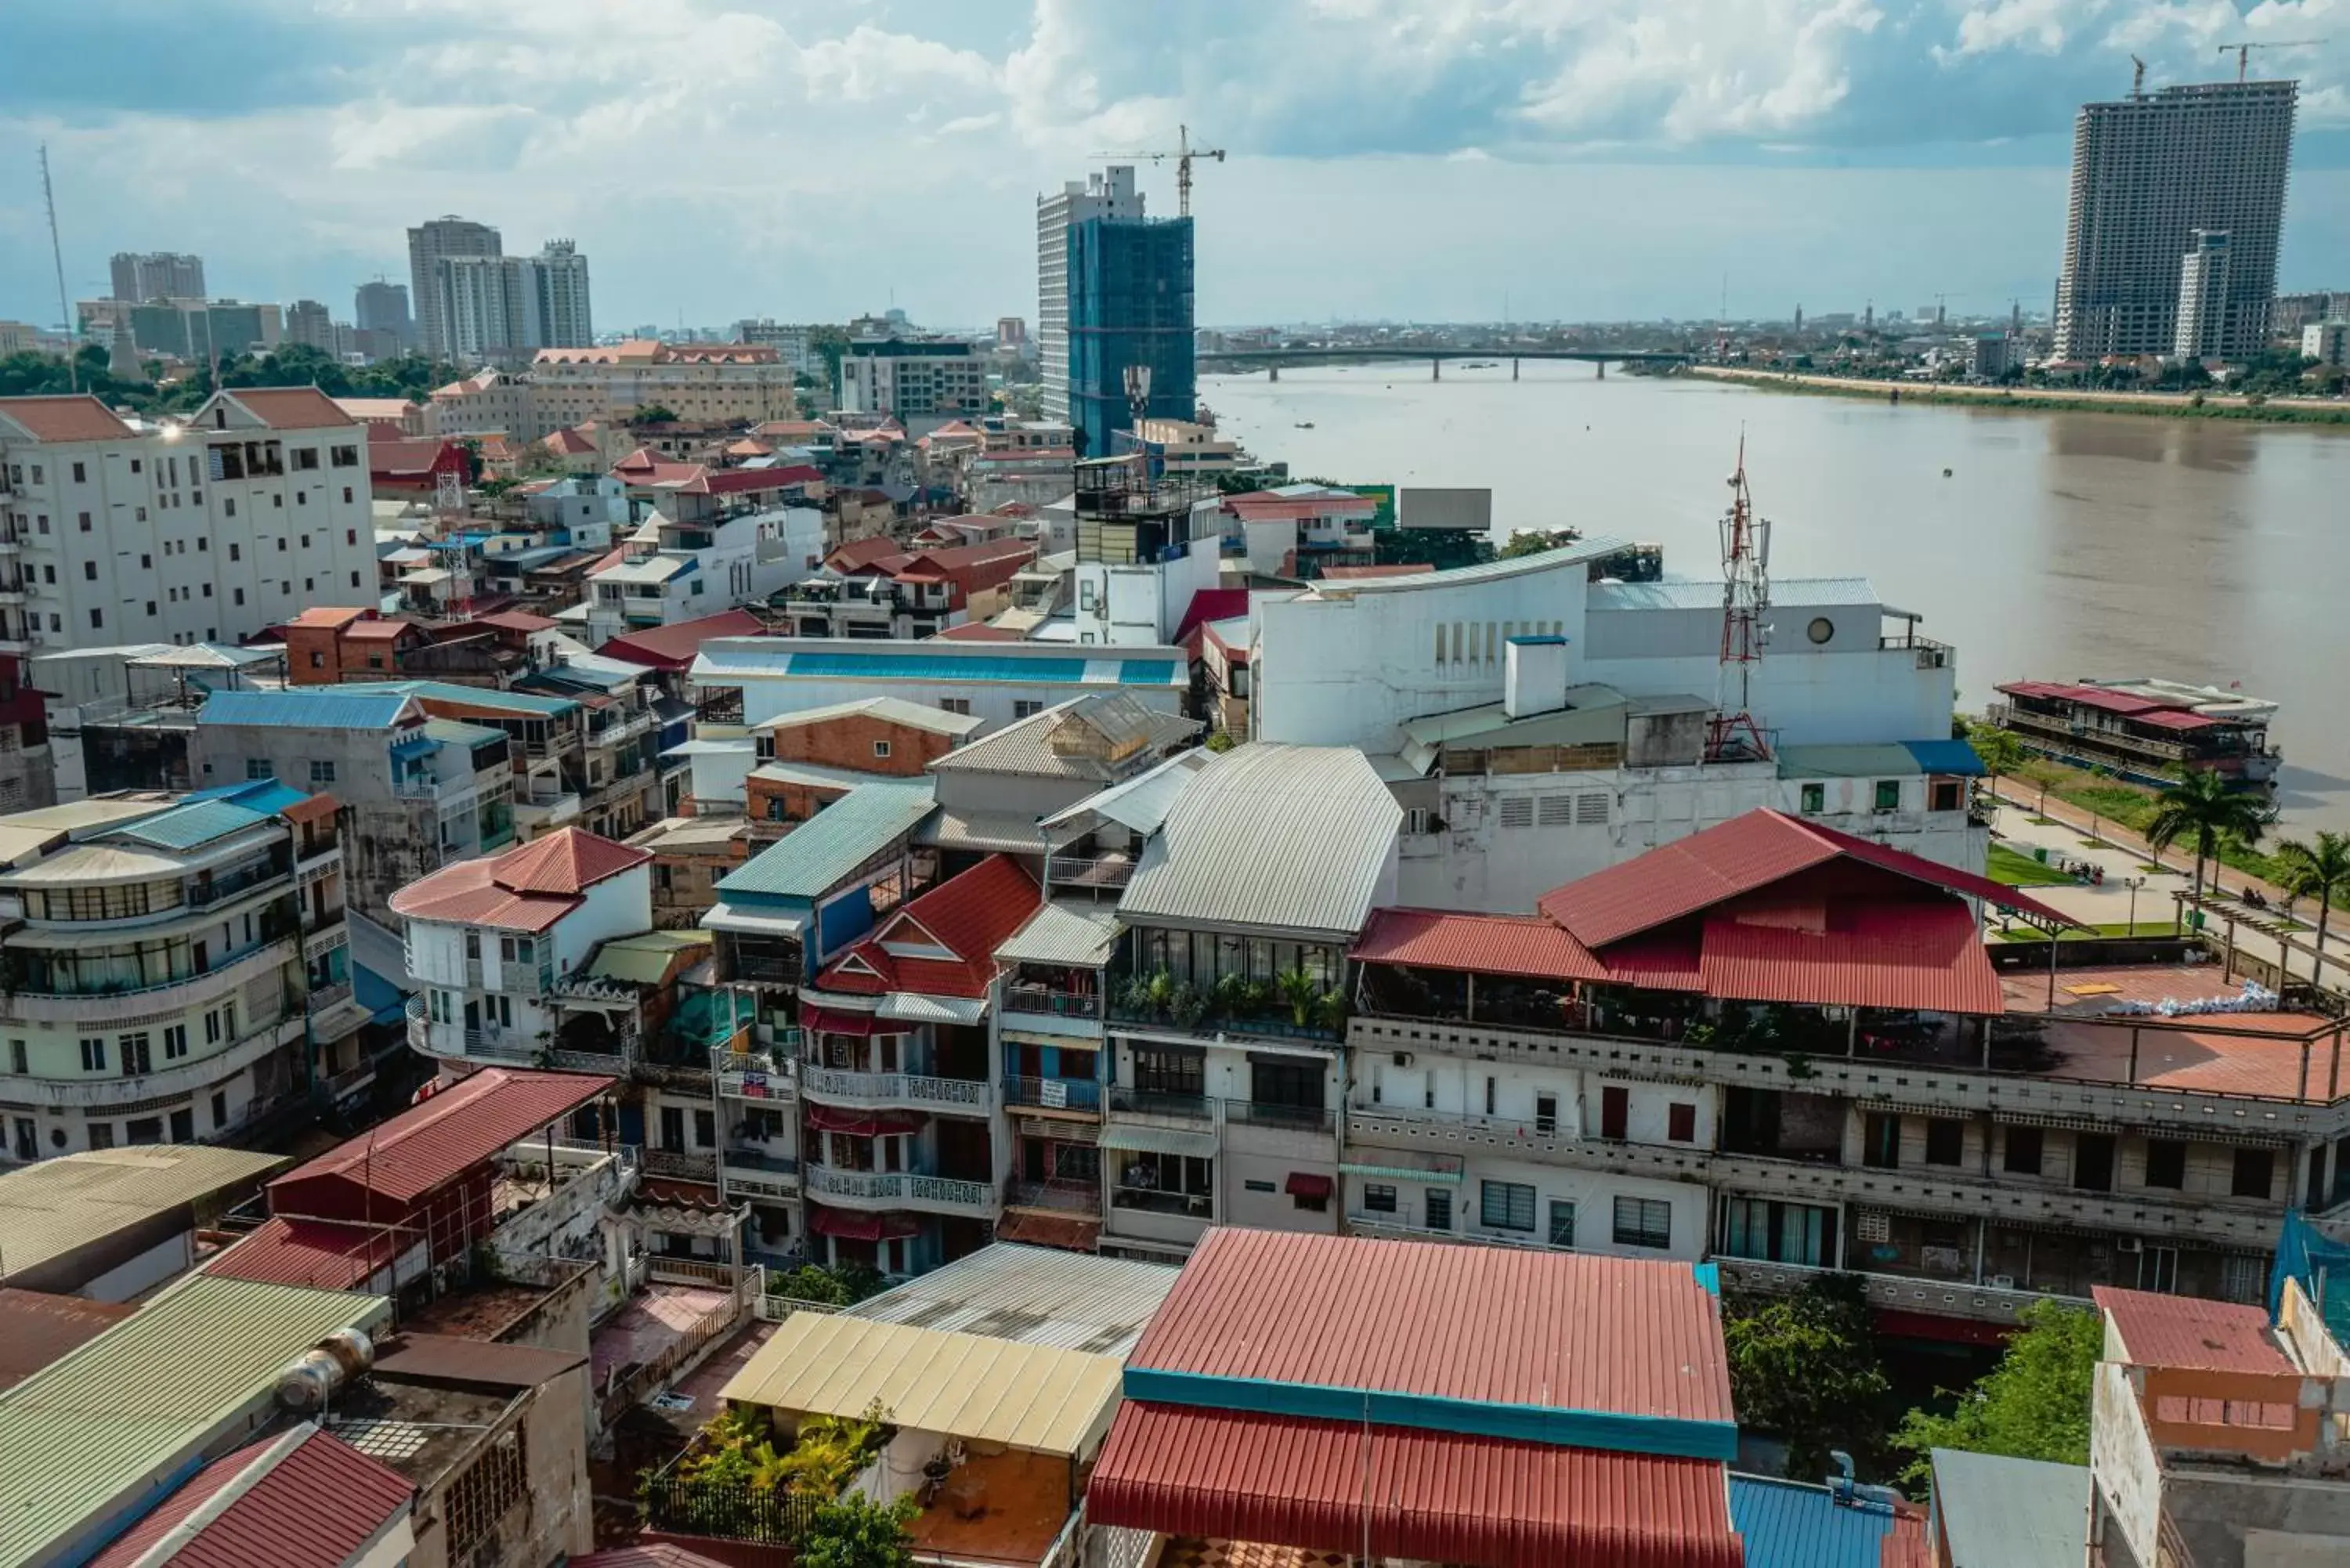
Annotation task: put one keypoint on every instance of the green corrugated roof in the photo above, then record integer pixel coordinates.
(644, 958)
(806, 861)
(1884, 762)
(86, 1435)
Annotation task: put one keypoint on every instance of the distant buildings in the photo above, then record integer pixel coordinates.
(2151, 172)
(2205, 299)
(201, 330)
(922, 382)
(157, 275)
(1111, 194)
(383, 308)
(309, 323)
(2327, 342)
(717, 382)
(476, 304)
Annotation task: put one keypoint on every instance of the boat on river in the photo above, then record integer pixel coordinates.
(2144, 730)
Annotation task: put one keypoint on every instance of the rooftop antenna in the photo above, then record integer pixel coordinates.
(1732, 734)
(58, 258)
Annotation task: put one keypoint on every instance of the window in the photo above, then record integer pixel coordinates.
(1505, 1205)
(1419, 820)
(1546, 1113)
(93, 1055)
(143, 1129)
(2023, 1150)
(318, 659)
(880, 748)
(1680, 1123)
(257, 768)
(705, 1129)
(305, 457)
(956, 705)
(146, 562)
(150, 606)
(1518, 811)
(2166, 1163)
(1438, 1206)
(2255, 1173)
(1945, 1141)
(1164, 1184)
(347, 494)
(1947, 794)
(1778, 1232)
(322, 772)
(101, 1135)
(136, 1056)
(1378, 1197)
(220, 1109)
(80, 473)
(236, 551)
(16, 1058)
(85, 524)
(343, 456)
(213, 1027)
(1644, 1222)
(1562, 1222)
(175, 1042)
(240, 593)
(89, 571)
(1615, 1112)
(1888, 794)
(183, 1125)
(96, 618)
(1162, 1070)
(1027, 709)
(350, 535)
(303, 542)
(1880, 1141)
(2093, 1162)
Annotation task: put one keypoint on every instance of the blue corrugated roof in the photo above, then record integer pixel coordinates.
(479, 696)
(193, 824)
(341, 707)
(934, 667)
(255, 794)
(1790, 1525)
(808, 860)
(1946, 757)
(1146, 672)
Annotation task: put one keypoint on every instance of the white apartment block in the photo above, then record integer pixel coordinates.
(2327, 342)
(698, 382)
(205, 532)
(429, 244)
(1109, 194)
(680, 569)
(921, 382)
(2205, 307)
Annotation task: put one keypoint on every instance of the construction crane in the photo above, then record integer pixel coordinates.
(1183, 154)
(2244, 50)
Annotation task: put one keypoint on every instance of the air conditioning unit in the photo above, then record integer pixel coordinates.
(2130, 1245)
(2002, 1281)
(1403, 1058)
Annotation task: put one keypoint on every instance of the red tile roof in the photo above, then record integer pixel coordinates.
(568, 444)
(81, 418)
(673, 647)
(527, 888)
(304, 1499)
(323, 1254)
(1487, 1324)
(431, 1144)
(519, 620)
(862, 552)
(333, 617)
(291, 408)
(945, 941)
(1434, 1496)
(1524, 945)
(2190, 1334)
(36, 1328)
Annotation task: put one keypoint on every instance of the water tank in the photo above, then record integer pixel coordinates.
(311, 1379)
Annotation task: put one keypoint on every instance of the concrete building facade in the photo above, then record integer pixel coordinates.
(1108, 195)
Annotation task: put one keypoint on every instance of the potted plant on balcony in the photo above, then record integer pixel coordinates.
(1301, 993)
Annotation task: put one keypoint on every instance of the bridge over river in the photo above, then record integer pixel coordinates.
(1271, 360)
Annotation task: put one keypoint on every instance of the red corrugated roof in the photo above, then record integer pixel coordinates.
(2190, 1333)
(291, 408)
(1524, 945)
(2128, 703)
(673, 647)
(851, 1226)
(967, 916)
(81, 418)
(428, 1144)
(1570, 1330)
(527, 888)
(314, 1507)
(2177, 719)
(1435, 1496)
(324, 1254)
(651, 1555)
(1893, 955)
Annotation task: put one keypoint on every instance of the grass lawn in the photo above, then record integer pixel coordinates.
(2113, 929)
(2011, 869)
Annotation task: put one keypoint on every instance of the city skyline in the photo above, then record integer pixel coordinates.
(1628, 158)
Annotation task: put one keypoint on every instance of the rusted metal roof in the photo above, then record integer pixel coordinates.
(36, 1328)
(456, 1129)
(452, 1359)
(1324, 1486)
(324, 1254)
(1477, 1324)
(1524, 945)
(2190, 1333)
(302, 1499)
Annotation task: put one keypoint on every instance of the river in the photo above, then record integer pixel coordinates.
(2060, 545)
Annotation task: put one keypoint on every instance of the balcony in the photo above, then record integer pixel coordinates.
(1054, 1094)
(1049, 1009)
(169, 996)
(1104, 873)
(755, 1075)
(1080, 1197)
(747, 1173)
(1154, 1102)
(897, 1189)
(1892, 1292)
(197, 1076)
(681, 1165)
(903, 1091)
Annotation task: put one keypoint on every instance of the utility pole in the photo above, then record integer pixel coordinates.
(58, 257)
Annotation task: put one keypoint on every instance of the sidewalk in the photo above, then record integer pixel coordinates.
(2121, 853)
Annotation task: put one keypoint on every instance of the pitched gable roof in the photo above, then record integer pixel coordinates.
(291, 408)
(942, 943)
(527, 888)
(63, 418)
(433, 1143)
(304, 1499)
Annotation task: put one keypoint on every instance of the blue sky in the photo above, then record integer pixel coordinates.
(1576, 159)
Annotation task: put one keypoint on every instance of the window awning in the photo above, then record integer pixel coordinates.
(1306, 1184)
(834, 1020)
(854, 1226)
(906, 1007)
(1158, 1140)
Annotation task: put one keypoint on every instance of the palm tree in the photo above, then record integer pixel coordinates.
(2204, 805)
(2322, 868)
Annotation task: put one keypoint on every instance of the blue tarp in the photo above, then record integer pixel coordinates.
(1946, 757)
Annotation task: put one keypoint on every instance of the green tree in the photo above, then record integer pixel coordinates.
(2204, 807)
(2321, 868)
(1535, 540)
(2034, 1405)
(1805, 1367)
(852, 1531)
(830, 343)
(2001, 752)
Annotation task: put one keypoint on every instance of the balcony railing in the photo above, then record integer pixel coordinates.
(1061, 1197)
(754, 1077)
(681, 1165)
(897, 1189)
(1053, 1094)
(1043, 999)
(1299, 1118)
(1150, 1201)
(1943, 1298)
(1079, 871)
(897, 1089)
(1157, 1103)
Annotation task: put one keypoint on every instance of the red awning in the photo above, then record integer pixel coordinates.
(1437, 1496)
(833, 1020)
(862, 1124)
(1306, 1184)
(853, 1227)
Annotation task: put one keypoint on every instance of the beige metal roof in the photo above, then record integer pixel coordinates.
(957, 1385)
(1080, 934)
(1035, 1295)
(1088, 737)
(988, 830)
(1270, 838)
(51, 1207)
(887, 710)
(88, 1433)
(90, 863)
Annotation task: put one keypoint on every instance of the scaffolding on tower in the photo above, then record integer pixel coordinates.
(1734, 735)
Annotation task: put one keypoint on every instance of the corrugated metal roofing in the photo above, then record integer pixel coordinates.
(2190, 1334)
(472, 696)
(1480, 1325)
(1040, 745)
(1524, 945)
(644, 958)
(1076, 934)
(1993, 1512)
(1578, 553)
(87, 1434)
(1791, 1524)
(323, 1254)
(1139, 804)
(1270, 838)
(809, 859)
(52, 1207)
(956, 925)
(1147, 1137)
(304, 1499)
(733, 658)
(192, 826)
(888, 710)
(1894, 955)
(36, 1328)
(1797, 592)
(428, 1144)
(958, 1384)
(306, 708)
(991, 831)
(1032, 1295)
(1433, 1496)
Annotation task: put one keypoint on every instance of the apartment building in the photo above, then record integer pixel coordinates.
(1111, 193)
(718, 540)
(909, 595)
(164, 957)
(731, 383)
(921, 382)
(157, 274)
(206, 532)
(489, 402)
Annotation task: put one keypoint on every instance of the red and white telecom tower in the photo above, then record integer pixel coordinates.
(1732, 734)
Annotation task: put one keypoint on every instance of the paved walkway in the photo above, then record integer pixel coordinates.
(2122, 854)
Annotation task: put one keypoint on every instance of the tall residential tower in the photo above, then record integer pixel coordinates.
(1109, 194)
(157, 275)
(2150, 173)
(429, 245)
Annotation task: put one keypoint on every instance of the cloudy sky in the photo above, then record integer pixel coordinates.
(1431, 158)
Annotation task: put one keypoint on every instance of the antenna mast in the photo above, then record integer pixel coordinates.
(57, 256)
(1732, 734)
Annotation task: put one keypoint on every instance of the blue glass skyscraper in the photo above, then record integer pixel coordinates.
(1130, 303)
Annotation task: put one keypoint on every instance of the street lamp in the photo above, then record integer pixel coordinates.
(2134, 884)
